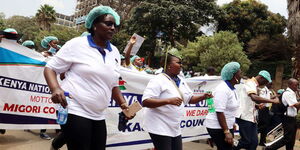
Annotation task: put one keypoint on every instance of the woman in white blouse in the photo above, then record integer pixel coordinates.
(165, 97)
(220, 123)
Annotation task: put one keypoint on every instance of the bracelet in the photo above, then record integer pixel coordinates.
(226, 131)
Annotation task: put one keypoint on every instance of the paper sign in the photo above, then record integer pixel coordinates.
(136, 46)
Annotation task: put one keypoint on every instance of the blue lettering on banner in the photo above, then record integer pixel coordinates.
(129, 97)
(136, 126)
(23, 85)
(191, 123)
(132, 97)
(133, 127)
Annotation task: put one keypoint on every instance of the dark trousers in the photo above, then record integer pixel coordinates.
(60, 140)
(85, 134)
(218, 137)
(248, 133)
(161, 142)
(42, 130)
(289, 128)
(264, 124)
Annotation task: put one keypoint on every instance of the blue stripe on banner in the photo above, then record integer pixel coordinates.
(12, 83)
(7, 56)
(19, 119)
(145, 141)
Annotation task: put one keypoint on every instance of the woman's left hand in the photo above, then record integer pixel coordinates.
(229, 138)
(125, 107)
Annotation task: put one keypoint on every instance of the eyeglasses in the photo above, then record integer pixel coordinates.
(109, 23)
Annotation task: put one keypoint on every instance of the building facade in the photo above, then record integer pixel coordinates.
(64, 20)
(83, 7)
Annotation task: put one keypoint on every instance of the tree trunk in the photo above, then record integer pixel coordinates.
(296, 63)
(278, 77)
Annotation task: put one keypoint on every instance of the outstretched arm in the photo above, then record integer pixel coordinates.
(153, 103)
(127, 54)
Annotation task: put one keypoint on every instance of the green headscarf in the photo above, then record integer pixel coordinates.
(229, 70)
(28, 43)
(98, 11)
(266, 75)
(45, 42)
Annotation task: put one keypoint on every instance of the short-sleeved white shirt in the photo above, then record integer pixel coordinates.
(289, 98)
(265, 93)
(226, 101)
(165, 120)
(247, 109)
(88, 79)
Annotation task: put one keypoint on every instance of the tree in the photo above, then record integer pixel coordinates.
(120, 40)
(294, 34)
(170, 20)
(250, 18)
(63, 34)
(123, 7)
(215, 51)
(45, 16)
(24, 25)
(2, 17)
(268, 52)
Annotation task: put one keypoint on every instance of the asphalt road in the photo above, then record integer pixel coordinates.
(21, 140)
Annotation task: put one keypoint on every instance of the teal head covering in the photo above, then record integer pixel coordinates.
(85, 34)
(266, 75)
(11, 30)
(229, 70)
(280, 91)
(133, 58)
(45, 42)
(122, 57)
(98, 11)
(11, 33)
(28, 43)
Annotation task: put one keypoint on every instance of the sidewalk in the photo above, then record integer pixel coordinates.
(21, 140)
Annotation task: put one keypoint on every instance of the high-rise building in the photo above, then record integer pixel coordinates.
(64, 20)
(83, 7)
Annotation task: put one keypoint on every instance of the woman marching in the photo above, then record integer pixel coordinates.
(165, 97)
(91, 66)
(220, 124)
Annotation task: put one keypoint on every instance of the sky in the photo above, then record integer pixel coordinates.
(67, 7)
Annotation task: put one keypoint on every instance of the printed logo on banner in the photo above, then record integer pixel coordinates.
(200, 85)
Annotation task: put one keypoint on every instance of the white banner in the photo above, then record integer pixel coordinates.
(25, 100)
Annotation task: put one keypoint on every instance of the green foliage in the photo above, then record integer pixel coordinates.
(45, 16)
(215, 51)
(258, 65)
(120, 40)
(2, 24)
(63, 34)
(23, 25)
(176, 20)
(266, 48)
(249, 19)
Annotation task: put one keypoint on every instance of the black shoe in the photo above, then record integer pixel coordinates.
(2, 131)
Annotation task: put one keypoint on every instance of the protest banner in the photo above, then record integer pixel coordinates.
(25, 100)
